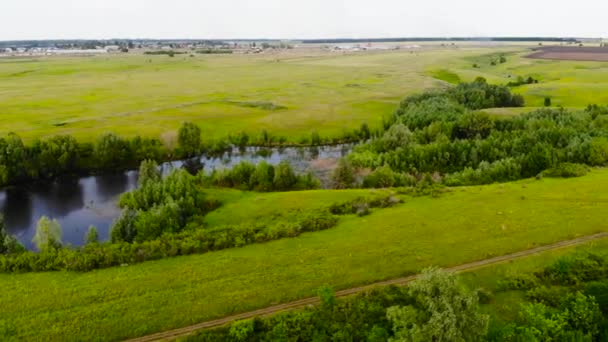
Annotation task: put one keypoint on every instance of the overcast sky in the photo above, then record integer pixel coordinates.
(61, 19)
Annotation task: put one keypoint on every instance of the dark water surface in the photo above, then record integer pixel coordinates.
(78, 203)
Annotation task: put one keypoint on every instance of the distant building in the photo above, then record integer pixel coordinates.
(112, 48)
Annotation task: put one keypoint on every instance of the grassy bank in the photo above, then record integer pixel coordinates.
(464, 225)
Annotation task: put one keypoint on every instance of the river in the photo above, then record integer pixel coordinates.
(80, 202)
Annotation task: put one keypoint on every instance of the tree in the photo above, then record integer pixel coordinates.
(473, 124)
(112, 152)
(343, 176)
(48, 234)
(148, 172)
(92, 236)
(442, 310)
(547, 101)
(189, 139)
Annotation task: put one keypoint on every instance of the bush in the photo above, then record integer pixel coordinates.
(567, 170)
(344, 175)
(598, 151)
(382, 177)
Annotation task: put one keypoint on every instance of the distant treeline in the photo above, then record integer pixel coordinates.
(438, 39)
(215, 42)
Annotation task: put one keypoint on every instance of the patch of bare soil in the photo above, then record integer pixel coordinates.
(571, 53)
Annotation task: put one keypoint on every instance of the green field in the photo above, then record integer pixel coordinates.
(288, 94)
(568, 83)
(463, 225)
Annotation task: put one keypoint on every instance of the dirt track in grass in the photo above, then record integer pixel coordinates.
(185, 331)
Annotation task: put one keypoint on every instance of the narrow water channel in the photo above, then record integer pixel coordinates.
(78, 203)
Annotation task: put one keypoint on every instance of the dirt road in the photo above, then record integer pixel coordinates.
(181, 332)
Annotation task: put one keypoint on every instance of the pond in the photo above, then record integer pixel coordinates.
(78, 203)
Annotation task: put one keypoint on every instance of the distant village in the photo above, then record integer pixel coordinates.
(50, 48)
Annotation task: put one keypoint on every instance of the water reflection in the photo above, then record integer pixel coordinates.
(78, 203)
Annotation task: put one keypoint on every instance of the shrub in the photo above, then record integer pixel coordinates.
(598, 151)
(48, 234)
(188, 241)
(567, 170)
(344, 175)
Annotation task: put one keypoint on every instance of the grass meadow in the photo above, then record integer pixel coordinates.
(463, 225)
(287, 94)
(568, 83)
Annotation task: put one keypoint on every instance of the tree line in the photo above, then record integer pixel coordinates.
(63, 155)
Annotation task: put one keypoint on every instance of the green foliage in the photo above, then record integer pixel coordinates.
(343, 175)
(111, 152)
(358, 204)
(362, 318)
(479, 94)
(599, 291)
(241, 330)
(598, 151)
(189, 139)
(567, 170)
(327, 296)
(48, 234)
(159, 206)
(499, 171)
(472, 125)
(436, 135)
(547, 102)
(8, 243)
(284, 177)
(442, 310)
(384, 177)
(193, 240)
(92, 236)
(263, 177)
(576, 319)
(148, 172)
